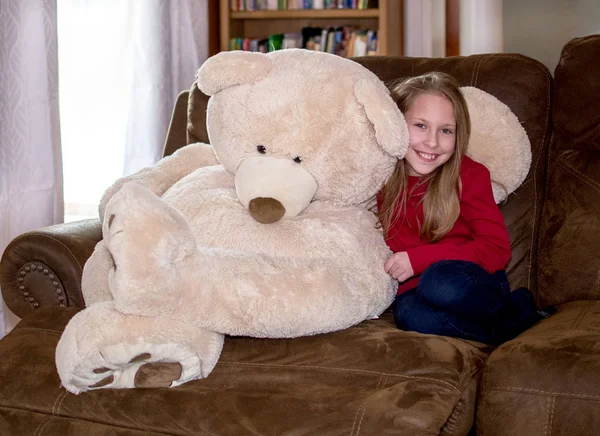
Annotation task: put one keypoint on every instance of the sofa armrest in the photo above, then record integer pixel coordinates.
(43, 267)
(177, 133)
(546, 378)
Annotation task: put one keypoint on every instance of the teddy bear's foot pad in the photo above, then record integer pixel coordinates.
(166, 365)
(157, 375)
(149, 375)
(104, 348)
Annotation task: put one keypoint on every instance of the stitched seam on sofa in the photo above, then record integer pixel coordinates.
(362, 410)
(70, 418)
(326, 368)
(580, 317)
(60, 403)
(540, 392)
(535, 191)
(550, 417)
(43, 235)
(590, 182)
(40, 428)
(60, 398)
(475, 73)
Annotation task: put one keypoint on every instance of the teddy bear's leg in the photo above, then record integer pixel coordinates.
(149, 243)
(94, 282)
(103, 348)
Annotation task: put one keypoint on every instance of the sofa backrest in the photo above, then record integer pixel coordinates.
(569, 248)
(524, 84)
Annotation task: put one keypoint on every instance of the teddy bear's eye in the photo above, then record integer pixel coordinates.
(297, 159)
(261, 149)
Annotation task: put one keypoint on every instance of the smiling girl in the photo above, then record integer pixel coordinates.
(439, 217)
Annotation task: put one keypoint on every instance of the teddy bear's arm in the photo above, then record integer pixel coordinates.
(166, 172)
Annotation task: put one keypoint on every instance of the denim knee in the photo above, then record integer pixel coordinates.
(446, 283)
(411, 315)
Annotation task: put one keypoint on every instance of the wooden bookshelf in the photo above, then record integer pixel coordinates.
(387, 19)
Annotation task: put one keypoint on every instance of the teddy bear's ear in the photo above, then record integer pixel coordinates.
(498, 140)
(390, 126)
(230, 68)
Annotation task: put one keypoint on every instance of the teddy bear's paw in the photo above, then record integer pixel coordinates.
(152, 366)
(136, 365)
(148, 241)
(104, 348)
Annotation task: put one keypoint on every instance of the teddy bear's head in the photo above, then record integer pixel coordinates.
(296, 126)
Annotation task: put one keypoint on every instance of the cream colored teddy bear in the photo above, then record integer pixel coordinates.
(267, 233)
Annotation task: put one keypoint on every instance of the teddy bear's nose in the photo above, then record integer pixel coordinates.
(266, 210)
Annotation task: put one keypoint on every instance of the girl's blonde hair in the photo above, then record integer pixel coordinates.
(441, 202)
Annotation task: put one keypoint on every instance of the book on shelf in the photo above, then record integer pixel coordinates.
(346, 41)
(274, 5)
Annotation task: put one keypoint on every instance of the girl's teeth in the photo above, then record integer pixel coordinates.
(427, 156)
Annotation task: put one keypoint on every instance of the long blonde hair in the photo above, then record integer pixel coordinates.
(441, 202)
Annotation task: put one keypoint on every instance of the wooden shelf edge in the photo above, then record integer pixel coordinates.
(305, 13)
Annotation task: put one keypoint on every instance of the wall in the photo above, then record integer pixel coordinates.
(540, 28)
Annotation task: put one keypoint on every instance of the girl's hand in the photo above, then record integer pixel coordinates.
(399, 266)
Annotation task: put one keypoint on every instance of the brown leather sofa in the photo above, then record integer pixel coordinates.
(371, 379)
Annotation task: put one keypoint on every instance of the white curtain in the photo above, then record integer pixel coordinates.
(122, 64)
(30, 149)
(171, 43)
(481, 27)
(424, 28)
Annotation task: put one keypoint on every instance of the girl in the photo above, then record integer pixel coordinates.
(439, 217)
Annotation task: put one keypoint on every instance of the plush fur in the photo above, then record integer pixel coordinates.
(267, 232)
(303, 141)
(498, 140)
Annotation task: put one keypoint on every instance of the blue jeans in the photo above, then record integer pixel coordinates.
(460, 299)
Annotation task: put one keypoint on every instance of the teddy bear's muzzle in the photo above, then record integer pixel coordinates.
(266, 210)
(272, 188)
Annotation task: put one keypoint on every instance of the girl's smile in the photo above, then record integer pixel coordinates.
(431, 126)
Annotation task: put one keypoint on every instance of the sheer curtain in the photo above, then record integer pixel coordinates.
(425, 28)
(122, 64)
(31, 193)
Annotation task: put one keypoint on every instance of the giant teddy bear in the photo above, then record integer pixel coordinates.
(266, 232)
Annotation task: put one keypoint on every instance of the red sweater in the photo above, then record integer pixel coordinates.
(479, 234)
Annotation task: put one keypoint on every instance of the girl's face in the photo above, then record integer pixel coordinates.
(432, 133)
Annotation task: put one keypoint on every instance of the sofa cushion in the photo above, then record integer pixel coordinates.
(569, 264)
(547, 379)
(369, 379)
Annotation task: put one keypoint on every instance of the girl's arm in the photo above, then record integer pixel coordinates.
(490, 243)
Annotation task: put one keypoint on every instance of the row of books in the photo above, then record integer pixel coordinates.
(264, 5)
(345, 41)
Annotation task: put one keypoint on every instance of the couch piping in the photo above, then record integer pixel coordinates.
(325, 368)
(542, 392)
(142, 431)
